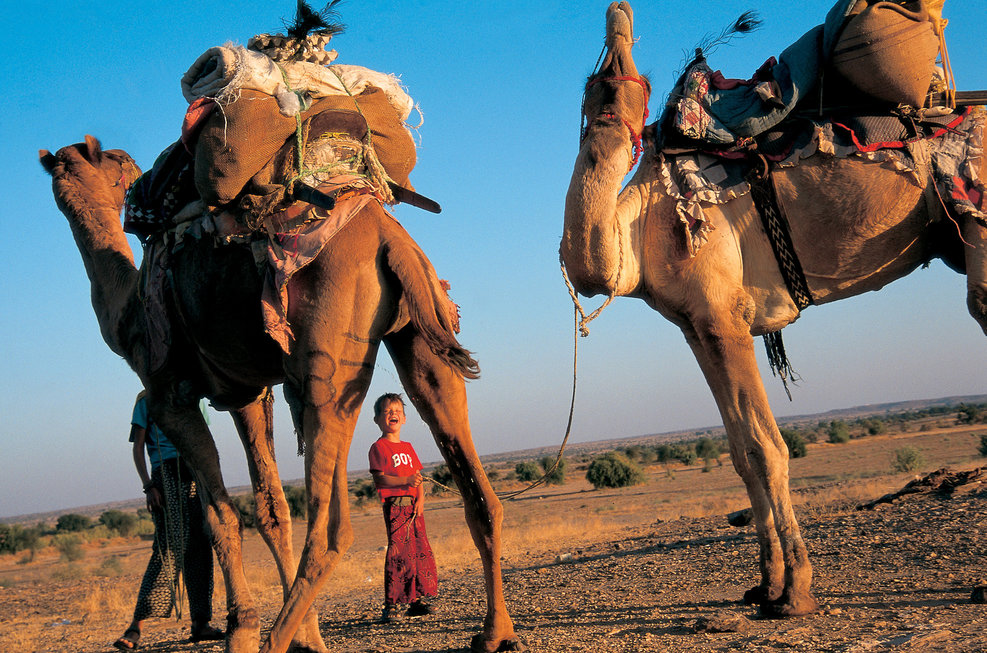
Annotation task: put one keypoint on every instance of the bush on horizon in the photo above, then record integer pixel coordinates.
(795, 442)
(837, 432)
(557, 477)
(527, 471)
(983, 445)
(297, 500)
(15, 538)
(613, 470)
(123, 523)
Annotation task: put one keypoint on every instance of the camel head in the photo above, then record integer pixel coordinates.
(87, 173)
(617, 93)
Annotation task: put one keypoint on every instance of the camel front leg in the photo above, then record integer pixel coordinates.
(326, 392)
(725, 351)
(177, 414)
(255, 425)
(439, 394)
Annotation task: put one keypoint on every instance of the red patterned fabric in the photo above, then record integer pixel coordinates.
(409, 567)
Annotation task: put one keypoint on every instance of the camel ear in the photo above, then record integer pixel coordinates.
(94, 151)
(48, 160)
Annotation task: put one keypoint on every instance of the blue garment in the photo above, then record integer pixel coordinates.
(159, 448)
(740, 112)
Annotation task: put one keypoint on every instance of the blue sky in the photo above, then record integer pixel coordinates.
(499, 85)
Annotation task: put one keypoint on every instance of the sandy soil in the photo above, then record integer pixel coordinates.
(631, 576)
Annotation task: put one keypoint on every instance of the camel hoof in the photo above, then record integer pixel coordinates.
(481, 645)
(242, 631)
(790, 606)
(760, 595)
(308, 638)
(979, 594)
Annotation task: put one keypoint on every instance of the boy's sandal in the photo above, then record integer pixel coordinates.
(206, 633)
(130, 641)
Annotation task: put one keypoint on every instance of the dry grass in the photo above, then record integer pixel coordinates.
(98, 590)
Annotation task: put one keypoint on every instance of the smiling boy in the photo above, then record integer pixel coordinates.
(409, 567)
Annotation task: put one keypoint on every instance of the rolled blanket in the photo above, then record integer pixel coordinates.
(223, 72)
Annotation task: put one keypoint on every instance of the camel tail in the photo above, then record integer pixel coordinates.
(431, 311)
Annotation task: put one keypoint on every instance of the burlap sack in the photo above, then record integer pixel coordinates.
(888, 52)
(236, 143)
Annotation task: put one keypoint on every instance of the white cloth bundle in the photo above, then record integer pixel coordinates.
(222, 72)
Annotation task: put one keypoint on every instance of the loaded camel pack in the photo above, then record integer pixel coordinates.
(279, 148)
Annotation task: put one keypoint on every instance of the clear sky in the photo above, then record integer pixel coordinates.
(499, 84)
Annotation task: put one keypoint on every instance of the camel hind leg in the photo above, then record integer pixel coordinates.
(438, 392)
(254, 424)
(975, 234)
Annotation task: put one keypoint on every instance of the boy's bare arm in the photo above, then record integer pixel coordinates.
(389, 480)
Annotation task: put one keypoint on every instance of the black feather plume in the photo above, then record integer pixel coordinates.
(308, 21)
(746, 23)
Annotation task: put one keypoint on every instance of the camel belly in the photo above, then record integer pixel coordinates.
(856, 226)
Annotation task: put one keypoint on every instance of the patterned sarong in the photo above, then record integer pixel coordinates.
(409, 567)
(181, 549)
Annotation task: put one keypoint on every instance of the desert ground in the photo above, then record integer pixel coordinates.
(640, 568)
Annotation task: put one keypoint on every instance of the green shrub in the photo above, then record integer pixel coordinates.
(72, 523)
(443, 475)
(297, 501)
(969, 414)
(557, 477)
(907, 459)
(123, 523)
(69, 545)
(837, 432)
(613, 470)
(245, 505)
(795, 443)
(364, 490)
(527, 471)
(14, 538)
(983, 445)
(707, 449)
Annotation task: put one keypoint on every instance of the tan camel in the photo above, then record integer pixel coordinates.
(856, 226)
(370, 284)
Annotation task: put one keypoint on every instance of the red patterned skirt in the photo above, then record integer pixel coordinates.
(409, 567)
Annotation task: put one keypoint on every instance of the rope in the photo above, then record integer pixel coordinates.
(940, 28)
(580, 319)
(568, 430)
(375, 171)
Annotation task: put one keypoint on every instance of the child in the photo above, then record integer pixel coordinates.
(409, 567)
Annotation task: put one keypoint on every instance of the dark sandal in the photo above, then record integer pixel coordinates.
(130, 641)
(208, 633)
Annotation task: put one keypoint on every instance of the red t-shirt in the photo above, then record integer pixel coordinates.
(394, 459)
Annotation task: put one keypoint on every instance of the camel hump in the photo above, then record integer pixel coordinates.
(431, 311)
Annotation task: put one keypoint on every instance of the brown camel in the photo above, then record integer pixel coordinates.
(856, 226)
(370, 283)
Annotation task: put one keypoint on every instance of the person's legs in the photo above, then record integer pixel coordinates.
(426, 576)
(197, 562)
(156, 595)
(399, 562)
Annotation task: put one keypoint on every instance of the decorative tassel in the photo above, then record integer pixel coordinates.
(778, 361)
